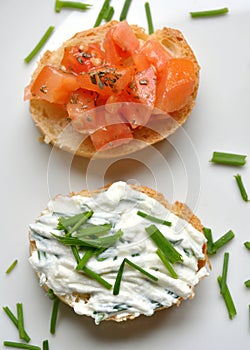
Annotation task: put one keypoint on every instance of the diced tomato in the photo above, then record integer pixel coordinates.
(81, 58)
(152, 52)
(176, 84)
(106, 80)
(136, 114)
(145, 86)
(112, 51)
(53, 85)
(81, 110)
(112, 134)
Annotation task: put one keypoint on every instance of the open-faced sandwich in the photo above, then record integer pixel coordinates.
(112, 90)
(118, 252)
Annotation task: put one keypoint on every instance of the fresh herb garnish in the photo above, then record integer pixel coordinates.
(209, 13)
(103, 11)
(149, 18)
(208, 234)
(228, 300)
(163, 244)
(46, 345)
(17, 345)
(241, 187)
(229, 158)
(71, 4)
(120, 273)
(247, 283)
(97, 277)
(88, 254)
(213, 247)
(153, 218)
(247, 245)
(20, 321)
(125, 9)
(13, 318)
(224, 273)
(109, 14)
(40, 44)
(54, 314)
(167, 263)
(72, 223)
(11, 267)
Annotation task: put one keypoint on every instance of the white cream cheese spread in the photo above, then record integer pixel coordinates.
(117, 206)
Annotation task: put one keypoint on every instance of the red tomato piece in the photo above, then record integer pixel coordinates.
(125, 38)
(81, 58)
(53, 85)
(152, 52)
(137, 114)
(176, 84)
(145, 86)
(113, 54)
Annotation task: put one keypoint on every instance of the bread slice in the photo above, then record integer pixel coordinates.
(52, 121)
(179, 209)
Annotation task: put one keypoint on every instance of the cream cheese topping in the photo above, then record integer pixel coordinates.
(118, 206)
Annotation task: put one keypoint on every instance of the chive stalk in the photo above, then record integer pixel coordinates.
(224, 273)
(209, 13)
(228, 158)
(20, 321)
(13, 318)
(100, 17)
(109, 14)
(84, 259)
(11, 267)
(17, 345)
(247, 245)
(153, 218)
(40, 44)
(64, 223)
(125, 9)
(46, 345)
(71, 4)
(228, 300)
(247, 283)
(208, 234)
(227, 237)
(54, 315)
(97, 277)
(149, 18)
(241, 187)
(167, 263)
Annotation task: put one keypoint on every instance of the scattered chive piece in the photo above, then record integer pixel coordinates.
(53, 319)
(228, 158)
(117, 284)
(97, 277)
(163, 244)
(153, 218)
(40, 44)
(15, 321)
(247, 245)
(208, 234)
(20, 345)
(102, 13)
(94, 230)
(84, 259)
(241, 187)
(85, 217)
(224, 274)
(75, 253)
(11, 267)
(125, 9)
(149, 18)
(71, 4)
(247, 283)
(20, 321)
(223, 240)
(167, 263)
(109, 14)
(46, 345)
(209, 13)
(65, 223)
(228, 300)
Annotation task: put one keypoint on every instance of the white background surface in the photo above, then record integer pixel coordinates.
(32, 172)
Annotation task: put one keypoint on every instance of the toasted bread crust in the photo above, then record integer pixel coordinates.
(48, 118)
(179, 209)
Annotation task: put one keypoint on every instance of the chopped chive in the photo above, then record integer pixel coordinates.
(149, 18)
(117, 284)
(209, 13)
(224, 274)
(51, 294)
(102, 12)
(208, 234)
(241, 187)
(228, 300)
(40, 44)
(15, 322)
(167, 263)
(75, 253)
(228, 158)
(84, 259)
(247, 283)
(65, 223)
(153, 218)
(163, 244)
(85, 217)
(109, 14)
(20, 321)
(97, 277)
(71, 4)
(11, 267)
(46, 345)
(54, 314)
(20, 345)
(94, 230)
(125, 9)
(247, 245)
(223, 240)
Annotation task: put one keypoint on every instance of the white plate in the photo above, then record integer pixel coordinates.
(32, 172)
